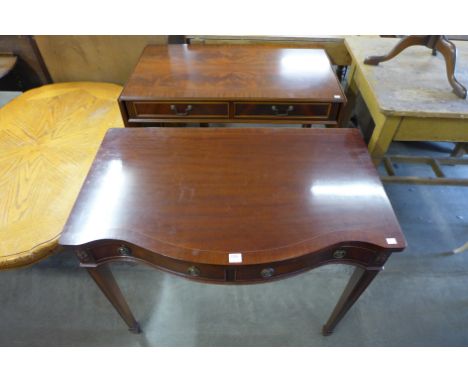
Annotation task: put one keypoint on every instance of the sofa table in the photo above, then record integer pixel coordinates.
(231, 84)
(242, 205)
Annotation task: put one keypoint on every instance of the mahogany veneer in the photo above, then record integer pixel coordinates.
(237, 84)
(233, 206)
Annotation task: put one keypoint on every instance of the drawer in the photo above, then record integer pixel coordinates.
(150, 109)
(122, 251)
(282, 110)
(345, 254)
(112, 250)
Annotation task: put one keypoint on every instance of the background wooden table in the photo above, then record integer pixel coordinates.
(409, 97)
(231, 84)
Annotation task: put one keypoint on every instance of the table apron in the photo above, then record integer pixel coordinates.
(96, 255)
(432, 129)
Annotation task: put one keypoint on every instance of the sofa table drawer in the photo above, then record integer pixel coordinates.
(282, 110)
(149, 109)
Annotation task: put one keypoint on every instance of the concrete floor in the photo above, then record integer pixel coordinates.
(421, 299)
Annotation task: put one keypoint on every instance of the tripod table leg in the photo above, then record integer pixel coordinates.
(400, 47)
(449, 51)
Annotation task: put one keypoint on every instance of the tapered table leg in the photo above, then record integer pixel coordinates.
(357, 284)
(106, 282)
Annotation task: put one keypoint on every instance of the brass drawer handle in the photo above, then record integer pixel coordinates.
(193, 271)
(339, 253)
(267, 272)
(187, 110)
(277, 112)
(124, 251)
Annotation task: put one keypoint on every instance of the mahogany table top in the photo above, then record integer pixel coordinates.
(231, 72)
(199, 194)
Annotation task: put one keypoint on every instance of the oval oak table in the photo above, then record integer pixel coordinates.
(227, 205)
(48, 139)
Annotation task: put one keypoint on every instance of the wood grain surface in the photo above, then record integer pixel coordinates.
(198, 194)
(232, 72)
(48, 139)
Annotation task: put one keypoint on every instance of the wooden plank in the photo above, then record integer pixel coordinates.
(453, 161)
(381, 138)
(368, 95)
(436, 168)
(428, 181)
(389, 166)
(427, 159)
(441, 178)
(411, 159)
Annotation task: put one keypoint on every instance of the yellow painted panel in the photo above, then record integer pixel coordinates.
(368, 95)
(381, 138)
(433, 129)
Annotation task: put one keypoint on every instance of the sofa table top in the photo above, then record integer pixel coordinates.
(230, 72)
(203, 193)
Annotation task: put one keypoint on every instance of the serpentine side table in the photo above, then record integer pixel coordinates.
(225, 205)
(231, 84)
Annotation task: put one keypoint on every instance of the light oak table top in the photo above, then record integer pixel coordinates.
(48, 139)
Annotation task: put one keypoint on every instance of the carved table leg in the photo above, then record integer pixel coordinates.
(106, 282)
(400, 47)
(357, 284)
(449, 51)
